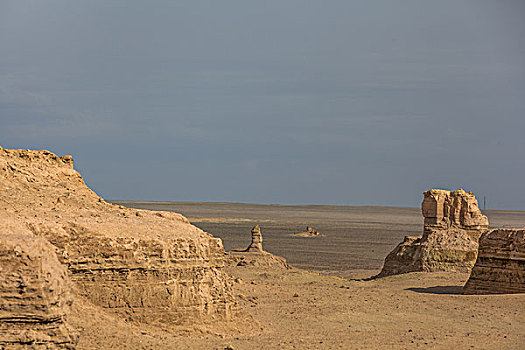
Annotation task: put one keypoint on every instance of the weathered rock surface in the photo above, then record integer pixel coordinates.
(452, 227)
(35, 295)
(150, 266)
(448, 209)
(500, 266)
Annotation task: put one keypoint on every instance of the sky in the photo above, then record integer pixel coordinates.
(290, 102)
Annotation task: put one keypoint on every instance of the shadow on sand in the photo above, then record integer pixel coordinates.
(438, 290)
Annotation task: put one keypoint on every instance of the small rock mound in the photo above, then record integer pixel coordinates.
(500, 266)
(310, 232)
(35, 295)
(453, 225)
(262, 259)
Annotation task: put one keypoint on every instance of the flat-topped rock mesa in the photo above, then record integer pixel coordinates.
(500, 266)
(453, 224)
(35, 295)
(145, 265)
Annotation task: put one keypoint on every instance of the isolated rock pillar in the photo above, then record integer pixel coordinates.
(256, 245)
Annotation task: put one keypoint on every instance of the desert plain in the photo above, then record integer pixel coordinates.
(79, 272)
(327, 299)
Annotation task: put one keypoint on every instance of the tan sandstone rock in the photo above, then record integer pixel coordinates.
(256, 244)
(453, 225)
(254, 255)
(309, 232)
(500, 266)
(151, 267)
(35, 295)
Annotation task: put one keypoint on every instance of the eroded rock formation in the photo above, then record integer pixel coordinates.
(254, 255)
(500, 266)
(256, 244)
(452, 227)
(35, 295)
(309, 232)
(149, 266)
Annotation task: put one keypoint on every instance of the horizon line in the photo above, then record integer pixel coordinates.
(286, 204)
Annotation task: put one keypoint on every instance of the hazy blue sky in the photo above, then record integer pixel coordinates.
(340, 102)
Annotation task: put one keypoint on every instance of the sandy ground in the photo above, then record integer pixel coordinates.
(301, 309)
(310, 309)
(298, 309)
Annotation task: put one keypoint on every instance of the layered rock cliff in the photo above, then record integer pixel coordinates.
(149, 266)
(500, 266)
(453, 224)
(35, 295)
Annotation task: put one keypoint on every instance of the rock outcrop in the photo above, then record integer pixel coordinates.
(452, 227)
(35, 295)
(500, 266)
(254, 255)
(256, 244)
(255, 259)
(309, 232)
(149, 266)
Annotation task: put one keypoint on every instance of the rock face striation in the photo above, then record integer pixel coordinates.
(145, 265)
(500, 266)
(453, 224)
(35, 295)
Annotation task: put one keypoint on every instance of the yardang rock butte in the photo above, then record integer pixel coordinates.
(453, 225)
